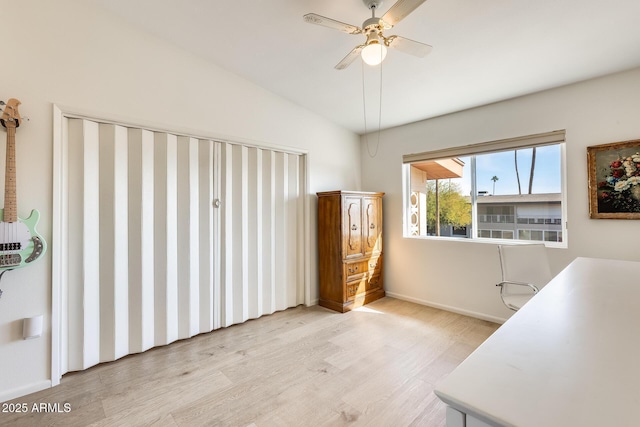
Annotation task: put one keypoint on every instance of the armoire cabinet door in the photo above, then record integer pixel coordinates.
(352, 226)
(372, 220)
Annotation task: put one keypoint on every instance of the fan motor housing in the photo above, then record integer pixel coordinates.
(371, 23)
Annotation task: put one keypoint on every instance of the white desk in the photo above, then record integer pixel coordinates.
(569, 357)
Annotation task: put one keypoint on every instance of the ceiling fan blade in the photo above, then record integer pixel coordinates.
(411, 47)
(351, 56)
(399, 11)
(313, 18)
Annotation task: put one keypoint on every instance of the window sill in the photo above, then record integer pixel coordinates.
(558, 245)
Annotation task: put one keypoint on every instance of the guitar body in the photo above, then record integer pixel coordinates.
(20, 243)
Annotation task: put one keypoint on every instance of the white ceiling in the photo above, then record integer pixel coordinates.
(483, 50)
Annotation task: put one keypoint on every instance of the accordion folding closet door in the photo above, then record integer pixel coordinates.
(164, 236)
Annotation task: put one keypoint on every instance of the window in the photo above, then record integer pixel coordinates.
(508, 190)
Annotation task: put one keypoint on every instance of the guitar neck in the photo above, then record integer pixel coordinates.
(10, 202)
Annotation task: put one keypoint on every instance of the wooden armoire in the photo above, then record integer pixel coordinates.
(349, 248)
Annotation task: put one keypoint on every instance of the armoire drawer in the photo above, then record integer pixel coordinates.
(374, 282)
(374, 265)
(355, 269)
(365, 284)
(353, 289)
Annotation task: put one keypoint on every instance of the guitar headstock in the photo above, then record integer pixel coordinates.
(10, 113)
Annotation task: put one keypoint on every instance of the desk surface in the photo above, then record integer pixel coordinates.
(570, 357)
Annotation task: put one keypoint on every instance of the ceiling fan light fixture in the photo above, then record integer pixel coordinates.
(374, 52)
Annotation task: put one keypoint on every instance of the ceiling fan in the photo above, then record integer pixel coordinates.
(374, 49)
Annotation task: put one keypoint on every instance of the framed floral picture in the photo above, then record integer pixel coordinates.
(614, 180)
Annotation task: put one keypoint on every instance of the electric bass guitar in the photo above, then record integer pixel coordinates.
(20, 243)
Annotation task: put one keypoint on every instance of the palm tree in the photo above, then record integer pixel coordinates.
(515, 156)
(533, 166)
(494, 179)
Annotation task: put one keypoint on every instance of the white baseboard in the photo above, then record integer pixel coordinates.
(23, 391)
(464, 312)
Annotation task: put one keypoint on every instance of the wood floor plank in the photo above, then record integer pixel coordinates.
(306, 366)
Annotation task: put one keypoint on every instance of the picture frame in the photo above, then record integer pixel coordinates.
(614, 180)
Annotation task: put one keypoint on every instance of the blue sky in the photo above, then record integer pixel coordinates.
(547, 173)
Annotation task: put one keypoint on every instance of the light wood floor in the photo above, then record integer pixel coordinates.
(306, 366)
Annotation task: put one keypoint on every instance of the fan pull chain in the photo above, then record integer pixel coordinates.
(364, 103)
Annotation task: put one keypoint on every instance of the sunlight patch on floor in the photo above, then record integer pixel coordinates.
(367, 310)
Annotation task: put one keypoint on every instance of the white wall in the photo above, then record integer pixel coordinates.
(72, 54)
(461, 275)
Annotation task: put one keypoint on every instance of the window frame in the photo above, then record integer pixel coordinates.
(537, 140)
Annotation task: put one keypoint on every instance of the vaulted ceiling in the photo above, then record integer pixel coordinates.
(483, 50)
